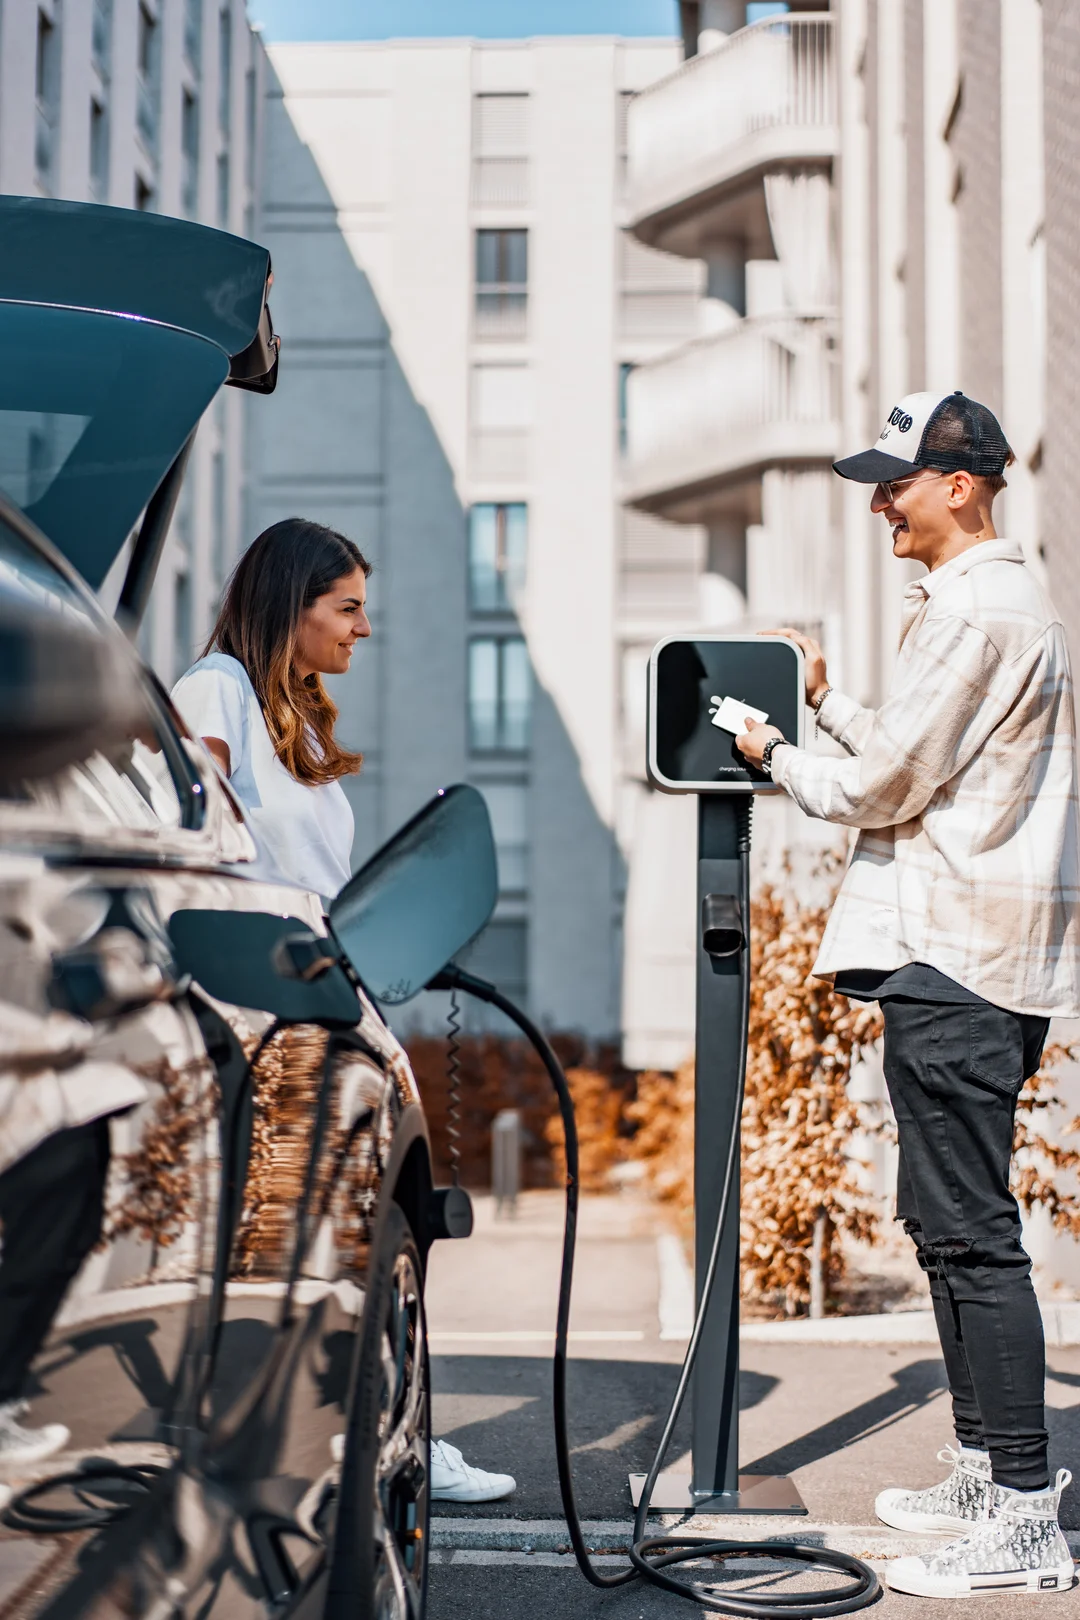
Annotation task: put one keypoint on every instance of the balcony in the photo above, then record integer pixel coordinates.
(717, 412)
(700, 140)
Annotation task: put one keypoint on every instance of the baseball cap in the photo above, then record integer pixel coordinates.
(946, 431)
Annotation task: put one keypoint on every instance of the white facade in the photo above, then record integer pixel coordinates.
(488, 301)
(148, 104)
(731, 434)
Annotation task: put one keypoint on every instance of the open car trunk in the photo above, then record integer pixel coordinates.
(117, 330)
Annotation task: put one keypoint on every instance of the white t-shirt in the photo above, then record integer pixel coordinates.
(304, 833)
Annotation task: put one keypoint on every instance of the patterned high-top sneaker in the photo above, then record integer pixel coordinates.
(958, 1503)
(1019, 1549)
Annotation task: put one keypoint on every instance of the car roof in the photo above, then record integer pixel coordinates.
(117, 329)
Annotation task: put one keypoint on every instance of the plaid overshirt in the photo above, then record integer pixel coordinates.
(963, 785)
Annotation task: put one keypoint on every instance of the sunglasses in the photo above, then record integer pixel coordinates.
(889, 486)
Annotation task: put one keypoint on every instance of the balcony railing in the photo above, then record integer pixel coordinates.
(766, 96)
(501, 311)
(723, 408)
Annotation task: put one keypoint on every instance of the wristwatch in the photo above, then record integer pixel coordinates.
(767, 753)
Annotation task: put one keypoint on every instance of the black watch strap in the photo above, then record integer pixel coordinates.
(767, 753)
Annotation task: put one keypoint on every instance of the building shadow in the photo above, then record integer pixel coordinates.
(347, 442)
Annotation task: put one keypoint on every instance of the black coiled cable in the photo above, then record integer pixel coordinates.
(106, 1489)
(653, 1556)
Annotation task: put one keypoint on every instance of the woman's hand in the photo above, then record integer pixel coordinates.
(751, 742)
(817, 680)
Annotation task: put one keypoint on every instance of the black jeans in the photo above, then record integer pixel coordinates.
(51, 1205)
(954, 1072)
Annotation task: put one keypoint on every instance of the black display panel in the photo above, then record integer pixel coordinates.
(688, 750)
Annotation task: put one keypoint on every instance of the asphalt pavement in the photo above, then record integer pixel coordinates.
(843, 1420)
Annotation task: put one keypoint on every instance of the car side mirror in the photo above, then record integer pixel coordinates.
(277, 964)
(421, 898)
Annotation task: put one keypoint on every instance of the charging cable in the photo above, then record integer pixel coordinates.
(654, 1556)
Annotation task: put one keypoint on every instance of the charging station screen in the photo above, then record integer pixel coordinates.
(701, 691)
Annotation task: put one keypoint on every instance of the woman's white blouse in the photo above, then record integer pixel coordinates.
(304, 833)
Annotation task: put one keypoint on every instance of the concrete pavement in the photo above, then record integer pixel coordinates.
(842, 1419)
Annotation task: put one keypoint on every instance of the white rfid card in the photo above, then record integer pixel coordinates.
(731, 714)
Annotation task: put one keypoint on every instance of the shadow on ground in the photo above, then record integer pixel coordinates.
(497, 1409)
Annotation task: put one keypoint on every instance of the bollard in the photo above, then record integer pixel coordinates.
(506, 1160)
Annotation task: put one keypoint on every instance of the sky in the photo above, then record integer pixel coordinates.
(481, 19)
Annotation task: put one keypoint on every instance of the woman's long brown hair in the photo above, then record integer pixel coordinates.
(282, 573)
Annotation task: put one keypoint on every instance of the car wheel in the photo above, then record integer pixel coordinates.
(381, 1550)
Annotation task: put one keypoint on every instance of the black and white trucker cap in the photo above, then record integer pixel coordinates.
(946, 431)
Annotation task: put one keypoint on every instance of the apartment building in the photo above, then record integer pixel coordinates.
(152, 104)
(462, 305)
(732, 161)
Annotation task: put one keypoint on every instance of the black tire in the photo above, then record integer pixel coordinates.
(381, 1538)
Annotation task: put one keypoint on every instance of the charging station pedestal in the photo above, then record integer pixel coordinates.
(691, 751)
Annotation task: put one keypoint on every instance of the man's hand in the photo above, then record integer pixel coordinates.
(817, 681)
(751, 742)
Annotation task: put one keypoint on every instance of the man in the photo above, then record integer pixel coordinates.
(958, 912)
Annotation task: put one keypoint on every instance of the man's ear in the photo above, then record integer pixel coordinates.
(962, 484)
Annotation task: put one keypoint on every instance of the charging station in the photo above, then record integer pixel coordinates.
(699, 692)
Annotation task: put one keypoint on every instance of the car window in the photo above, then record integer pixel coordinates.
(147, 783)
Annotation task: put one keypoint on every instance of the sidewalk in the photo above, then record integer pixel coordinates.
(842, 1418)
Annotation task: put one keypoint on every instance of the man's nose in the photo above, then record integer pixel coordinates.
(878, 500)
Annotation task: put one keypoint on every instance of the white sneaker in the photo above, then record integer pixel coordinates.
(20, 1445)
(958, 1503)
(455, 1480)
(1020, 1549)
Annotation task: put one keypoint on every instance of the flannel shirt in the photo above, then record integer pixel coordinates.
(963, 785)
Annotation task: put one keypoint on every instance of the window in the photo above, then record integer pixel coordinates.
(224, 68)
(501, 409)
(99, 150)
(217, 518)
(502, 398)
(497, 541)
(101, 35)
(500, 695)
(146, 79)
(183, 646)
(500, 150)
(193, 32)
(223, 190)
(625, 368)
(250, 124)
(507, 804)
(501, 283)
(501, 955)
(47, 97)
(189, 154)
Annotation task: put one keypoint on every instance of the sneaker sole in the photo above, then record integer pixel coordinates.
(1035, 1582)
(925, 1524)
(472, 1496)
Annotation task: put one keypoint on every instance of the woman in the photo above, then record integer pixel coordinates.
(293, 612)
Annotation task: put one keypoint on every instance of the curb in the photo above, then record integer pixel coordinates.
(874, 1542)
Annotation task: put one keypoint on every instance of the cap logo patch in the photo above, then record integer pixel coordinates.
(900, 419)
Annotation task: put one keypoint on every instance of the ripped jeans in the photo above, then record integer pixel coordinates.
(954, 1072)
